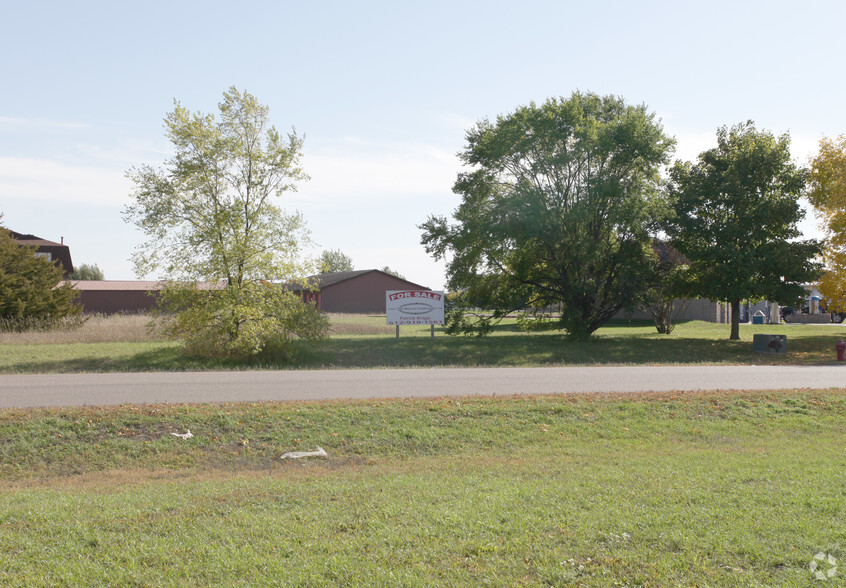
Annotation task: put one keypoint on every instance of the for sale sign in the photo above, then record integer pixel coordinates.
(414, 307)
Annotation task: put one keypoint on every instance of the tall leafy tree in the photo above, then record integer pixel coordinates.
(334, 260)
(212, 214)
(32, 294)
(736, 215)
(555, 210)
(828, 195)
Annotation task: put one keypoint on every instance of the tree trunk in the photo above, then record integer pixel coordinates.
(735, 320)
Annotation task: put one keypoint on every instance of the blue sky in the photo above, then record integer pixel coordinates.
(383, 92)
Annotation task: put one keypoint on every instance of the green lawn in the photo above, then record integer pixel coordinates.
(728, 489)
(650, 490)
(365, 342)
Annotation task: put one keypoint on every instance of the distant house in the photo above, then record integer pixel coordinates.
(360, 291)
(58, 253)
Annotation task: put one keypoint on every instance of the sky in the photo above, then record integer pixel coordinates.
(383, 92)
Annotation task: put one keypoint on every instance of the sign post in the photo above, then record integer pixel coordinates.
(414, 307)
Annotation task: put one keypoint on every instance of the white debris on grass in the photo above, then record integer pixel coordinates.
(187, 435)
(298, 454)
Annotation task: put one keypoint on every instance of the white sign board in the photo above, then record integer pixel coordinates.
(414, 307)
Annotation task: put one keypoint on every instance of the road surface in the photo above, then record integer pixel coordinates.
(28, 391)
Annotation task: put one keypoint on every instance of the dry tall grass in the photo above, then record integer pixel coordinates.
(120, 328)
(115, 328)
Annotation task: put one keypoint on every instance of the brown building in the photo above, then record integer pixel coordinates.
(360, 291)
(121, 296)
(116, 296)
(58, 253)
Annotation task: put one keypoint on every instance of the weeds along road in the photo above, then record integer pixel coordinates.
(29, 391)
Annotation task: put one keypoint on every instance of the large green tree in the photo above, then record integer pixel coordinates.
(212, 215)
(735, 219)
(32, 294)
(555, 211)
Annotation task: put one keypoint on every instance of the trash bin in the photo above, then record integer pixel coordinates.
(758, 318)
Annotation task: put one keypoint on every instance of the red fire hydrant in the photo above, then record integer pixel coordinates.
(841, 349)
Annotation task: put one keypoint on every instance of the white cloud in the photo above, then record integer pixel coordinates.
(54, 181)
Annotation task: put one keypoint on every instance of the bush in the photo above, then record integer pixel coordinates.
(238, 321)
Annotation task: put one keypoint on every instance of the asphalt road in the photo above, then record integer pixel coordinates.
(28, 391)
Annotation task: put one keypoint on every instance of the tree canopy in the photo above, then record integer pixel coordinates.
(828, 194)
(393, 272)
(30, 292)
(211, 215)
(735, 219)
(555, 210)
(88, 271)
(334, 260)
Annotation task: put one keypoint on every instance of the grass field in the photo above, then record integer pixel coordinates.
(652, 490)
(123, 344)
(728, 489)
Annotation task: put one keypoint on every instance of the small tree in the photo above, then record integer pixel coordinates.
(334, 260)
(665, 287)
(88, 272)
(211, 216)
(30, 292)
(736, 215)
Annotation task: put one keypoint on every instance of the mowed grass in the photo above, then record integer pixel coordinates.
(724, 489)
(119, 344)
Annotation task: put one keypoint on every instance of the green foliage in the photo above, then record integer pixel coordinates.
(556, 211)
(334, 260)
(211, 215)
(238, 321)
(394, 273)
(30, 294)
(735, 218)
(828, 194)
(666, 284)
(88, 271)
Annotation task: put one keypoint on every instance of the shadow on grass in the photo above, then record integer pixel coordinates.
(622, 342)
(531, 349)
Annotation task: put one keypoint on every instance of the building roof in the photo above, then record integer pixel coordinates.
(33, 240)
(59, 252)
(131, 285)
(320, 281)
